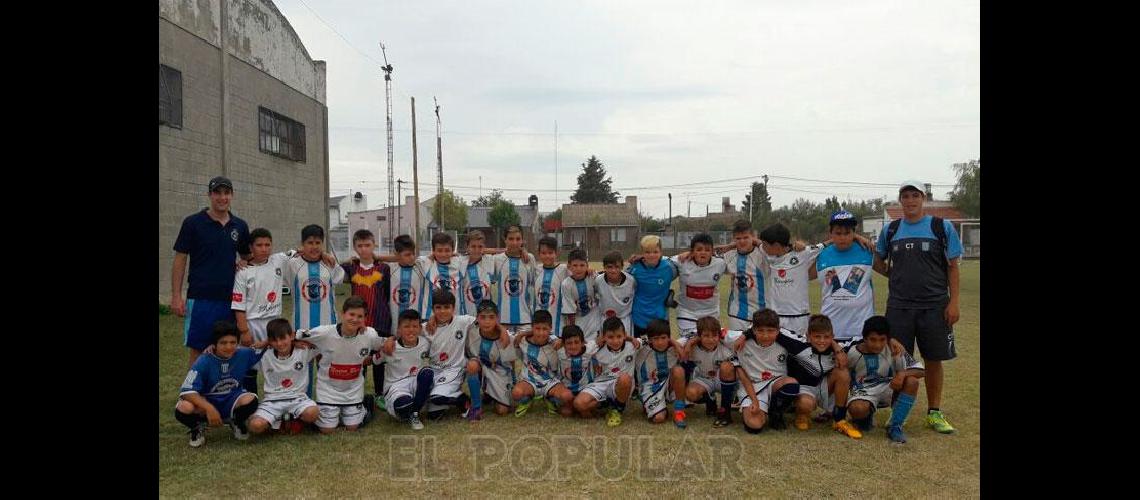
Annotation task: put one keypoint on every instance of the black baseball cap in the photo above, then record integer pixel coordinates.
(220, 182)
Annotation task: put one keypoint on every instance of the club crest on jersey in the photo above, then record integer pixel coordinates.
(441, 379)
(425, 355)
(404, 296)
(234, 235)
(475, 292)
(363, 351)
(443, 282)
(278, 270)
(315, 290)
(298, 365)
(745, 282)
(716, 277)
(660, 281)
(514, 287)
(629, 358)
(545, 297)
(795, 260)
(225, 367)
(625, 300)
(781, 358)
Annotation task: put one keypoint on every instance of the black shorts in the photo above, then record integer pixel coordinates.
(927, 326)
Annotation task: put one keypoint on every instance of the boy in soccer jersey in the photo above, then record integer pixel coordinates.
(447, 334)
(286, 373)
(344, 347)
(574, 365)
(713, 372)
(612, 367)
(478, 272)
(847, 297)
(654, 276)
(490, 362)
(548, 277)
(746, 264)
(410, 379)
(311, 279)
(256, 298)
(699, 279)
(514, 274)
(539, 356)
(659, 378)
(878, 376)
(211, 394)
(440, 270)
(616, 289)
(787, 276)
(407, 279)
(370, 280)
(580, 295)
(761, 364)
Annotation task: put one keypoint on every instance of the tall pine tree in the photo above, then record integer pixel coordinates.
(593, 184)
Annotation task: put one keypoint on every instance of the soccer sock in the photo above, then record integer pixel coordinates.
(727, 389)
(249, 383)
(689, 366)
(242, 413)
(403, 406)
(931, 409)
(474, 387)
(378, 379)
(619, 406)
(839, 412)
(524, 400)
(784, 397)
(678, 405)
(901, 409)
(190, 420)
(448, 400)
(425, 380)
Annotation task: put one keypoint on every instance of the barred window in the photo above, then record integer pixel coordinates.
(169, 96)
(281, 135)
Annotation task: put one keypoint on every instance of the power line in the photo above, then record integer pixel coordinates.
(334, 30)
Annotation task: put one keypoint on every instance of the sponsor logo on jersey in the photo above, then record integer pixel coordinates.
(412, 370)
(783, 273)
(287, 383)
(271, 296)
(699, 292)
(610, 313)
(344, 372)
(237, 297)
(766, 375)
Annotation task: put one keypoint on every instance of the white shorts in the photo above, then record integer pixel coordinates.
(687, 327)
(655, 401)
(878, 395)
(819, 392)
(798, 325)
(331, 415)
(763, 394)
(497, 383)
(742, 325)
(712, 386)
(602, 391)
(541, 387)
(448, 383)
(394, 390)
(516, 329)
(274, 411)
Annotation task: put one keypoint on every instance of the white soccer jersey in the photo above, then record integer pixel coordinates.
(489, 352)
(286, 378)
(547, 292)
(405, 361)
(257, 288)
(746, 292)
(652, 366)
(869, 370)
(338, 372)
(786, 284)
(847, 298)
(699, 296)
(607, 364)
(476, 281)
(407, 291)
(762, 364)
(311, 284)
(449, 343)
(616, 300)
(540, 362)
(580, 298)
(513, 291)
(575, 370)
(439, 276)
(706, 363)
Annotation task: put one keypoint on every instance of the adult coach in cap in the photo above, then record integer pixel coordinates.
(212, 239)
(920, 255)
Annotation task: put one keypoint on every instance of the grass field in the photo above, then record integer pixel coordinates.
(544, 454)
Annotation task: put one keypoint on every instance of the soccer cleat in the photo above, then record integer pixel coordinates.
(551, 408)
(711, 407)
(823, 417)
(613, 418)
(380, 403)
(936, 420)
(197, 436)
(802, 422)
(679, 419)
(723, 418)
(415, 421)
(896, 434)
(435, 415)
(776, 421)
(521, 408)
(845, 427)
(239, 434)
(474, 414)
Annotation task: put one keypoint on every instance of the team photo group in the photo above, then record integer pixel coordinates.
(447, 335)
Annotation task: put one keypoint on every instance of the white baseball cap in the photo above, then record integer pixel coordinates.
(918, 185)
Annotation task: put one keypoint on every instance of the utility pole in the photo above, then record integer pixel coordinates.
(556, 163)
(439, 163)
(391, 173)
(400, 193)
(674, 226)
(415, 176)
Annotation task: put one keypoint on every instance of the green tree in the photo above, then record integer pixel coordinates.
(593, 184)
(454, 211)
(488, 200)
(555, 215)
(762, 212)
(649, 224)
(967, 194)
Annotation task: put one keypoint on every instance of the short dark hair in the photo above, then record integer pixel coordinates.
(577, 254)
(361, 235)
(548, 242)
(260, 232)
(278, 328)
(354, 302)
(741, 226)
(612, 323)
(708, 323)
(442, 238)
(223, 328)
(819, 323)
(877, 324)
(765, 318)
(569, 331)
(700, 238)
(487, 305)
(776, 233)
(442, 297)
(408, 315)
(655, 328)
(404, 242)
(542, 316)
(613, 257)
(312, 231)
